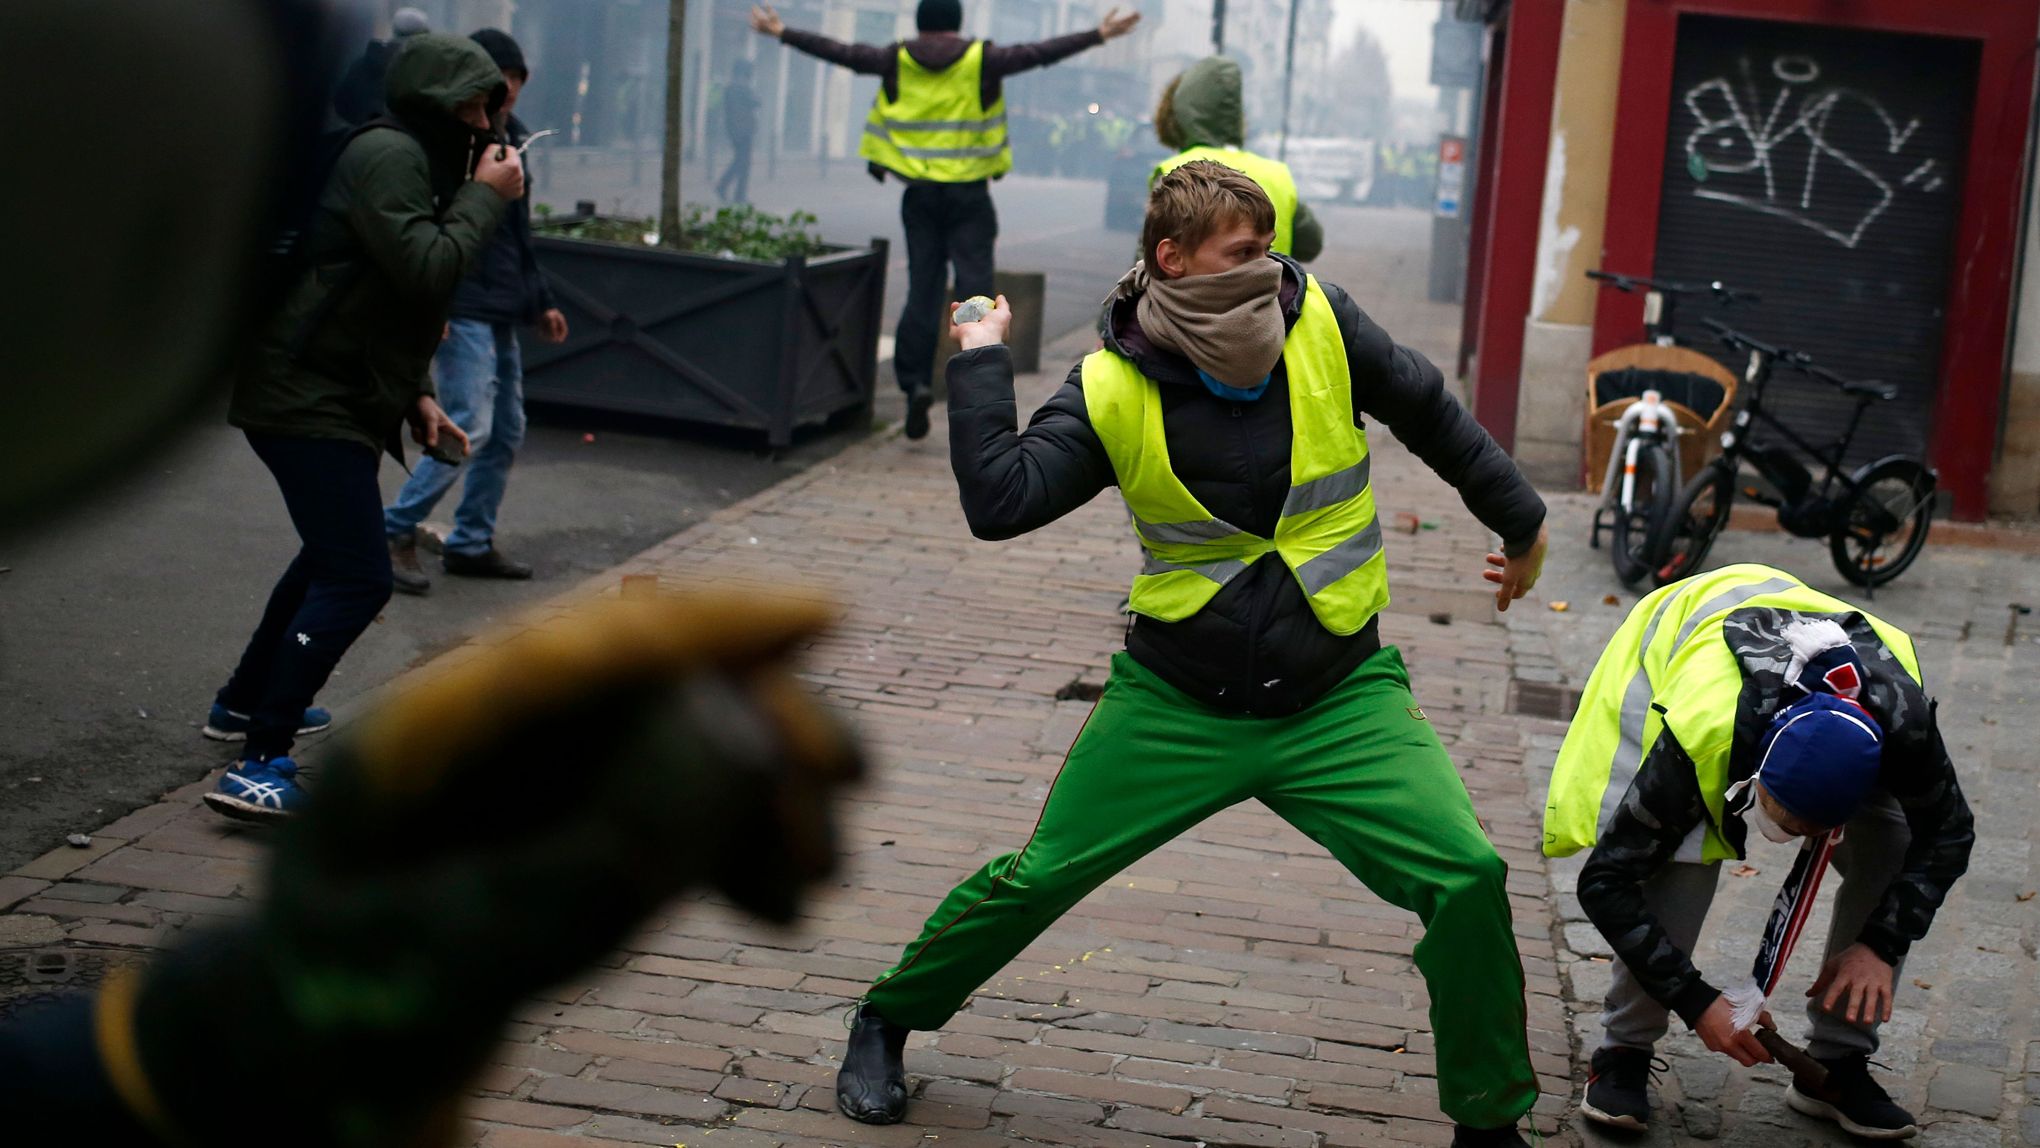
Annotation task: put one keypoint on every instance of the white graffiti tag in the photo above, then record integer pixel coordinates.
(1779, 160)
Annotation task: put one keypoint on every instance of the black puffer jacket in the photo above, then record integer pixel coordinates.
(506, 285)
(1256, 648)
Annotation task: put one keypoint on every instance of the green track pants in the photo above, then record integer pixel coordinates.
(1360, 772)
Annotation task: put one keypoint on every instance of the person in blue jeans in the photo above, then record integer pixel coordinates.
(480, 374)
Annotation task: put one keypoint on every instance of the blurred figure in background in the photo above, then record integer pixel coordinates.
(479, 371)
(1203, 115)
(740, 125)
(359, 98)
(939, 125)
(339, 368)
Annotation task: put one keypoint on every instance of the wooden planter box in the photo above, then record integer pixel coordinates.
(728, 342)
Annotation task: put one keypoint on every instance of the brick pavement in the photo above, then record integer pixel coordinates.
(1963, 1046)
(1236, 987)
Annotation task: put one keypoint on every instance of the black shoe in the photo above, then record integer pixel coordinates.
(1853, 1100)
(1504, 1137)
(918, 403)
(405, 572)
(489, 563)
(872, 1087)
(1618, 1088)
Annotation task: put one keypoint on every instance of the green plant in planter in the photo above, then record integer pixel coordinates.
(739, 231)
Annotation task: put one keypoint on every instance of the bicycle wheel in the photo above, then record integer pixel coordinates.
(1630, 535)
(1884, 525)
(1691, 526)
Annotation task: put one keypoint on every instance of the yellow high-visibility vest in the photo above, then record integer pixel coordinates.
(938, 130)
(1272, 175)
(1327, 535)
(1669, 667)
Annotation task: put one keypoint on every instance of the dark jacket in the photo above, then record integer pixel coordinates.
(1209, 109)
(1256, 648)
(506, 285)
(1663, 805)
(937, 51)
(739, 112)
(396, 230)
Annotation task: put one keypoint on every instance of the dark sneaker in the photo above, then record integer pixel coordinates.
(1853, 1100)
(1618, 1088)
(258, 790)
(405, 572)
(1508, 1137)
(223, 724)
(489, 563)
(872, 1087)
(917, 414)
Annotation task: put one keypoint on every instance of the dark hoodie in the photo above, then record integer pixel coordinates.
(1256, 648)
(1208, 108)
(397, 227)
(937, 51)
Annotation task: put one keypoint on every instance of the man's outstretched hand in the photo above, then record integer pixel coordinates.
(989, 331)
(766, 22)
(1117, 24)
(1515, 577)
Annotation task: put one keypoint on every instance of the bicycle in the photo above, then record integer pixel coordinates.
(1643, 477)
(1858, 512)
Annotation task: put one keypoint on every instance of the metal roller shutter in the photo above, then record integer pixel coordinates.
(1820, 167)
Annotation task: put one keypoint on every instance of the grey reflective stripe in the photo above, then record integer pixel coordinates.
(1222, 571)
(991, 152)
(1341, 560)
(1189, 533)
(1728, 600)
(998, 121)
(1330, 490)
(1635, 711)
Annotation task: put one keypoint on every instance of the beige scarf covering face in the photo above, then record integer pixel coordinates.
(1229, 325)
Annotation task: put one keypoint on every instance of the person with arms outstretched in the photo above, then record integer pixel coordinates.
(939, 126)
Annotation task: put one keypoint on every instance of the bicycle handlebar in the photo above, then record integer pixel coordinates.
(1720, 290)
(1797, 360)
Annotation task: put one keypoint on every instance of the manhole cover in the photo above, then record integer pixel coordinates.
(1543, 699)
(34, 974)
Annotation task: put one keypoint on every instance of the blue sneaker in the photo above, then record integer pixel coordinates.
(223, 724)
(258, 790)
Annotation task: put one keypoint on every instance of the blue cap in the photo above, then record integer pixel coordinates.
(1820, 759)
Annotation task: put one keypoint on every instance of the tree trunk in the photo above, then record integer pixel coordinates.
(669, 176)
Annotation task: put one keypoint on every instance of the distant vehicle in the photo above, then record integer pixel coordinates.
(1328, 169)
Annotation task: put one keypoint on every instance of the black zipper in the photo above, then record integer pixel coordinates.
(1254, 620)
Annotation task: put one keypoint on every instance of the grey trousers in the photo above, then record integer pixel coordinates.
(1871, 854)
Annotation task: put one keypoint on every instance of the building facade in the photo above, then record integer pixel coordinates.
(1864, 166)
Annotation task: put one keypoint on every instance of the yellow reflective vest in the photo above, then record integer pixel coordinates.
(1327, 535)
(1669, 668)
(938, 130)
(1273, 176)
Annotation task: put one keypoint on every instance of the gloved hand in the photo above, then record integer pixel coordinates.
(484, 835)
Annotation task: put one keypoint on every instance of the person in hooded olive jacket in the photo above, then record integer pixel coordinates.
(479, 372)
(1203, 115)
(938, 124)
(344, 363)
(1226, 405)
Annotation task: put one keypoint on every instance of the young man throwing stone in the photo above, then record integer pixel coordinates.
(1226, 405)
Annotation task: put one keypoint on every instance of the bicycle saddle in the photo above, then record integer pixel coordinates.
(1871, 388)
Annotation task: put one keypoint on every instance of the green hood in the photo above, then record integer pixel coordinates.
(1205, 107)
(432, 75)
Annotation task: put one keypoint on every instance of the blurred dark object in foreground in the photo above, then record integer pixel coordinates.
(486, 834)
(154, 151)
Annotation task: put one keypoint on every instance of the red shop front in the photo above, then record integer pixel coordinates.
(1861, 163)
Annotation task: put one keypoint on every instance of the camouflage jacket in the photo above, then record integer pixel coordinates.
(1663, 805)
